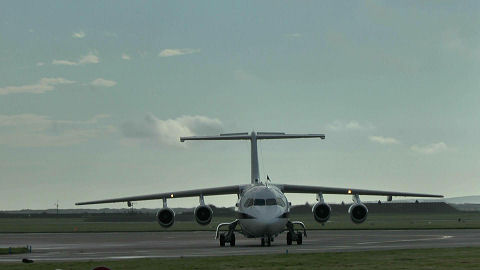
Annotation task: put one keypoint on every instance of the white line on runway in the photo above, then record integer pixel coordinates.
(407, 240)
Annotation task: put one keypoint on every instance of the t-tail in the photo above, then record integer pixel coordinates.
(253, 137)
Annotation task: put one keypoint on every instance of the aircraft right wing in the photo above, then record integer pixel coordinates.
(349, 191)
(170, 195)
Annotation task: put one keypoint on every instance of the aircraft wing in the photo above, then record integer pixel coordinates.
(179, 194)
(349, 191)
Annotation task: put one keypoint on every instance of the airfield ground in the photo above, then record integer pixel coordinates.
(459, 220)
(439, 259)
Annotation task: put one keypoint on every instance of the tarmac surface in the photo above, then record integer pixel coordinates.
(131, 245)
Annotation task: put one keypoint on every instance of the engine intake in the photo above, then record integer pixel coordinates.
(203, 214)
(321, 212)
(166, 217)
(358, 212)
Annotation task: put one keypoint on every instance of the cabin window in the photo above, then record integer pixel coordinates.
(260, 202)
(271, 202)
(248, 203)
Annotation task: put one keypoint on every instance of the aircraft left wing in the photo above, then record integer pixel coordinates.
(170, 195)
(349, 191)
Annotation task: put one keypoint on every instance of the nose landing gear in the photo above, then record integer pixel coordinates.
(266, 241)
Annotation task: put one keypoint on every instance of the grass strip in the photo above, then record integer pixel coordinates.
(439, 259)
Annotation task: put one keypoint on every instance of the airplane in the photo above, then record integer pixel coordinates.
(262, 207)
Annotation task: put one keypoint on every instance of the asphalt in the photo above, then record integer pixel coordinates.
(128, 245)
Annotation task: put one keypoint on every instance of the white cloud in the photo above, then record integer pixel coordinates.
(430, 149)
(103, 83)
(243, 75)
(383, 140)
(79, 34)
(39, 64)
(176, 52)
(125, 56)
(90, 58)
(31, 130)
(294, 35)
(169, 131)
(42, 86)
(351, 125)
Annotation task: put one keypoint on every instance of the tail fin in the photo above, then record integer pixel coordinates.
(253, 137)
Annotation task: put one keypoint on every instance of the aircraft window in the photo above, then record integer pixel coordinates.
(248, 203)
(271, 202)
(259, 202)
(280, 202)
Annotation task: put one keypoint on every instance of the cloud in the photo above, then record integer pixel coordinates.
(42, 86)
(169, 131)
(243, 75)
(103, 83)
(79, 34)
(351, 125)
(383, 140)
(39, 64)
(176, 52)
(90, 58)
(32, 130)
(125, 56)
(430, 149)
(294, 35)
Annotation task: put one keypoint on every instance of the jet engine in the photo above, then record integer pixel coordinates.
(165, 217)
(321, 212)
(203, 214)
(358, 212)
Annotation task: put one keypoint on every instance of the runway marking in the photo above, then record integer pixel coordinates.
(407, 240)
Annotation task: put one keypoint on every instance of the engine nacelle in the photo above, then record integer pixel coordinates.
(165, 217)
(358, 212)
(203, 214)
(321, 212)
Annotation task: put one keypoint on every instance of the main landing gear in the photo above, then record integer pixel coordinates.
(295, 236)
(229, 237)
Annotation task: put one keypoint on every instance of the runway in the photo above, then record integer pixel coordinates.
(129, 245)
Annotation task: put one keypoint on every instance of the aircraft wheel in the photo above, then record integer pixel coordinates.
(289, 238)
(299, 238)
(222, 240)
(232, 240)
(263, 242)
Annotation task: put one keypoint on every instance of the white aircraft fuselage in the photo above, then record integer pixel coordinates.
(262, 211)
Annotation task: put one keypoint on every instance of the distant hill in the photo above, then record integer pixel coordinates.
(464, 200)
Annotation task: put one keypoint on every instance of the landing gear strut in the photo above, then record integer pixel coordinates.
(267, 240)
(229, 237)
(295, 236)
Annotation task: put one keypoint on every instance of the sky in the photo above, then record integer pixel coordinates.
(95, 94)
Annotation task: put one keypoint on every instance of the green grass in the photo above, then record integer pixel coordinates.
(439, 259)
(469, 220)
(13, 250)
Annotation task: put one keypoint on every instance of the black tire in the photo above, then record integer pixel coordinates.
(299, 238)
(222, 240)
(232, 240)
(263, 242)
(289, 238)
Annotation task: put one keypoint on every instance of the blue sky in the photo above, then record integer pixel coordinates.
(93, 96)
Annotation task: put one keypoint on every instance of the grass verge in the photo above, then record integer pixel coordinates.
(440, 259)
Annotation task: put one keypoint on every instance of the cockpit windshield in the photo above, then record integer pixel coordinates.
(259, 202)
(262, 202)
